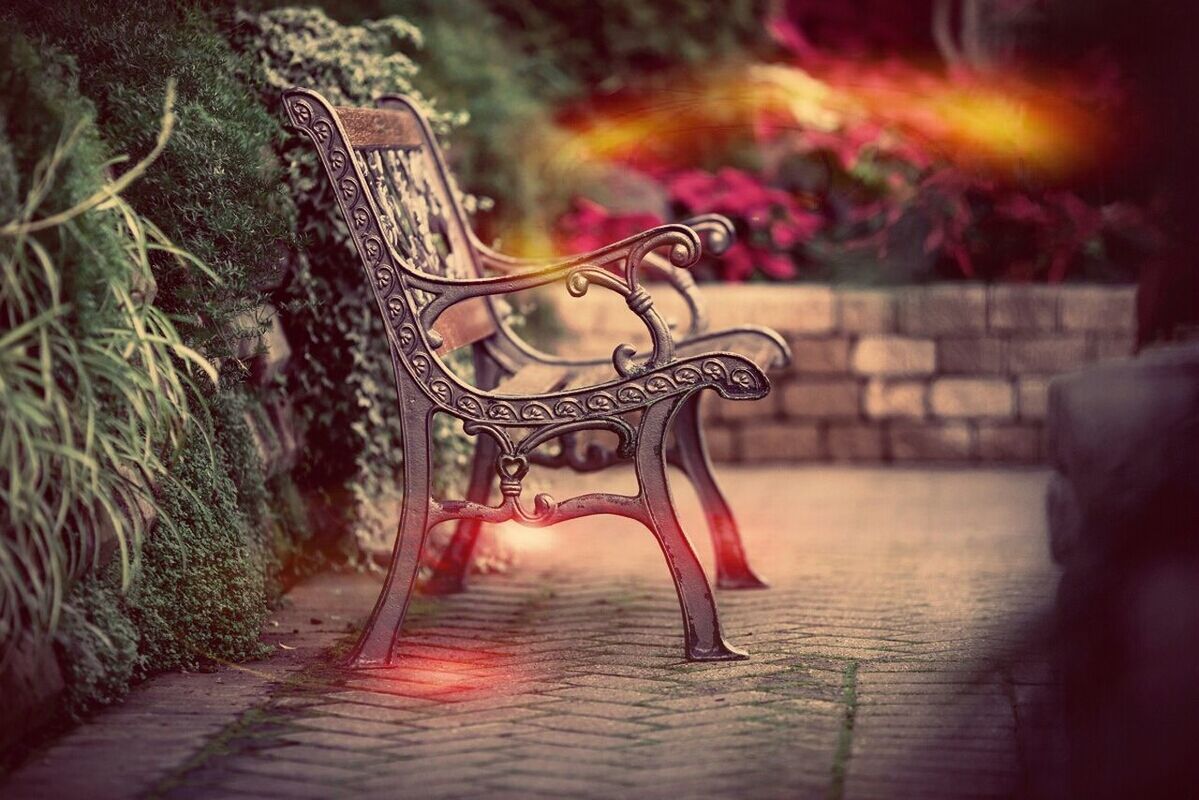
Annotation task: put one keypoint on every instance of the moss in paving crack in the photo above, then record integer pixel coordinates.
(849, 696)
(226, 742)
(267, 720)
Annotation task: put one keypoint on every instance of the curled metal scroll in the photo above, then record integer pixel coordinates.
(512, 463)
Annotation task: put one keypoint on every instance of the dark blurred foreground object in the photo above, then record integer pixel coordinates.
(1124, 441)
(1153, 44)
(1124, 524)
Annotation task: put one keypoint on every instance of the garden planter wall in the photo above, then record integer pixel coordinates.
(938, 373)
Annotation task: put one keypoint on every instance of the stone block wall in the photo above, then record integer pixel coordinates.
(937, 373)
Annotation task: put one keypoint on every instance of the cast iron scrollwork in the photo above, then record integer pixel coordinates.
(420, 259)
(512, 464)
(399, 283)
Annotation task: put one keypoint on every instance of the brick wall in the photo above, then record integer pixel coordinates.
(947, 372)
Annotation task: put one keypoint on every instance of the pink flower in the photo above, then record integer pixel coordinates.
(590, 226)
(737, 263)
(776, 265)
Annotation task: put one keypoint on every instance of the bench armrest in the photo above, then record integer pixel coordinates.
(614, 267)
(716, 231)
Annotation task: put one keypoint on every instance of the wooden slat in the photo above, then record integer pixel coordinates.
(379, 127)
(535, 378)
(464, 323)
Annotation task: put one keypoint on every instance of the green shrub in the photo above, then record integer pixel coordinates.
(96, 645)
(231, 427)
(94, 379)
(216, 191)
(199, 598)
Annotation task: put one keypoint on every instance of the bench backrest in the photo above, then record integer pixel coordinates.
(406, 176)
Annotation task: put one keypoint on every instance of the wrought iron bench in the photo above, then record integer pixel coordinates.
(436, 286)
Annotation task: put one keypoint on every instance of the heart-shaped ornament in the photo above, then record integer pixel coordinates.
(511, 467)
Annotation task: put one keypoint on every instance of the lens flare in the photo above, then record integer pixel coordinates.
(995, 122)
(522, 540)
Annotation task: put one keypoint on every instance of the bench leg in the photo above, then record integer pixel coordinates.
(449, 576)
(701, 624)
(375, 645)
(732, 567)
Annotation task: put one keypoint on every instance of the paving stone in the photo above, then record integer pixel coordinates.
(854, 442)
(355, 726)
(338, 741)
(719, 700)
(944, 308)
(823, 355)
(576, 739)
(592, 725)
(482, 731)
(271, 786)
(974, 355)
(782, 441)
(865, 310)
(887, 398)
(316, 773)
(972, 397)
(801, 310)
(604, 710)
(305, 754)
(1032, 397)
(1011, 443)
(1046, 354)
(1012, 307)
(894, 356)
(505, 713)
(598, 775)
(945, 441)
(916, 577)
(817, 397)
(1098, 308)
(1103, 347)
(605, 694)
(461, 780)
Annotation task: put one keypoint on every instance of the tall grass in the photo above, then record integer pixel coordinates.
(94, 385)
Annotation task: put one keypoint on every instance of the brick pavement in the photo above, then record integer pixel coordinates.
(887, 661)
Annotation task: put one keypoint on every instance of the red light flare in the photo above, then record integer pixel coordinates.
(442, 673)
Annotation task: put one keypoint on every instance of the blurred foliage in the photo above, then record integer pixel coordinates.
(512, 64)
(611, 45)
(471, 62)
(216, 191)
(880, 170)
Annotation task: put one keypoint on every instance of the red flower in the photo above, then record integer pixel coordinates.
(590, 226)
